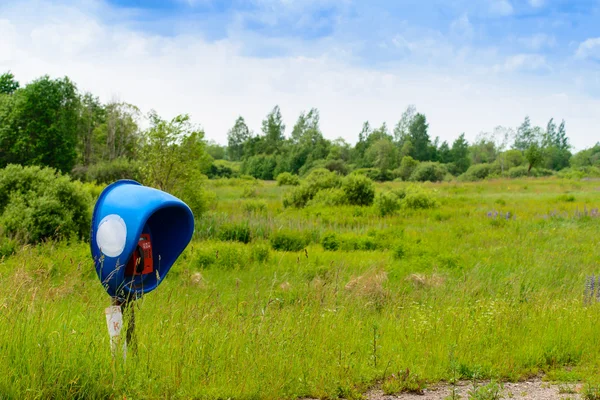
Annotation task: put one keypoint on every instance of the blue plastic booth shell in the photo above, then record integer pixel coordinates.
(172, 229)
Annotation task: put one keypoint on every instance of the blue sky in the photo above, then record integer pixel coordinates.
(468, 65)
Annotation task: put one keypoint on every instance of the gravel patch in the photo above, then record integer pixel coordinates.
(528, 390)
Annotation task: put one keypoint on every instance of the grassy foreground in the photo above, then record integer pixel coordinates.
(454, 291)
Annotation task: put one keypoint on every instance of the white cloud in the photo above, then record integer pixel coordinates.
(501, 8)
(215, 82)
(462, 27)
(537, 3)
(589, 49)
(538, 41)
(523, 62)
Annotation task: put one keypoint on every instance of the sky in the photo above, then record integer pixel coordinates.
(468, 65)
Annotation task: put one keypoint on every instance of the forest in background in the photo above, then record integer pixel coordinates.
(49, 122)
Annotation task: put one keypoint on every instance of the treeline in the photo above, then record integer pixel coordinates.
(405, 152)
(48, 122)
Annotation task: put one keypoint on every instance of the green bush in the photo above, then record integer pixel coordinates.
(351, 242)
(387, 203)
(108, 171)
(407, 167)
(359, 190)
(288, 241)
(321, 178)
(7, 246)
(261, 253)
(39, 203)
(338, 166)
(286, 178)
(194, 194)
(429, 172)
(220, 170)
(235, 233)
(204, 258)
(232, 255)
(260, 166)
(399, 251)
(299, 196)
(419, 199)
(477, 172)
(330, 242)
(522, 171)
(375, 174)
(255, 206)
(317, 180)
(329, 197)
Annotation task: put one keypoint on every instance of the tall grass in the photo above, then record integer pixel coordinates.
(504, 297)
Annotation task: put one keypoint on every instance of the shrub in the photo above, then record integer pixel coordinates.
(260, 253)
(204, 258)
(286, 178)
(109, 171)
(7, 247)
(255, 206)
(330, 241)
(194, 194)
(299, 196)
(407, 167)
(338, 166)
(317, 180)
(260, 166)
(518, 172)
(235, 233)
(429, 172)
(219, 170)
(350, 242)
(359, 190)
(329, 197)
(232, 255)
(375, 174)
(522, 171)
(249, 191)
(39, 203)
(419, 199)
(387, 203)
(477, 172)
(321, 178)
(288, 241)
(399, 251)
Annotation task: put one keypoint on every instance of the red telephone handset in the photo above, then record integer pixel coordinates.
(141, 262)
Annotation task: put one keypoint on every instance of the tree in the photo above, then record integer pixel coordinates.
(237, 138)
(8, 84)
(91, 115)
(460, 155)
(215, 150)
(273, 129)
(483, 150)
(173, 153)
(307, 144)
(401, 130)
(382, 154)
(419, 138)
(534, 155)
(524, 136)
(361, 146)
(38, 124)
(444, 153)
(562, 141)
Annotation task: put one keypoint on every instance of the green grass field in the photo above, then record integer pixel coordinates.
(445, 292)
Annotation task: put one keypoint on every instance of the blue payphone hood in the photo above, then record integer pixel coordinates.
(124, 211)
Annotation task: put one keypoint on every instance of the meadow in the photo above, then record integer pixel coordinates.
(488, 284)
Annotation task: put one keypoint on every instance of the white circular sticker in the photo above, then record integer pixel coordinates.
(111, 235)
